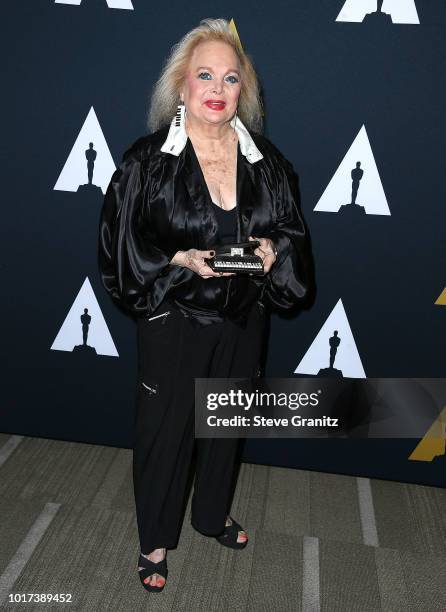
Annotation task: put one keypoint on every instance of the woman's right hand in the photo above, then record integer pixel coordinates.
(194, 260)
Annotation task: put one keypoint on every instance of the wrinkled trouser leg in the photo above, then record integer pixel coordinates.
(171, 353)
(237, 356)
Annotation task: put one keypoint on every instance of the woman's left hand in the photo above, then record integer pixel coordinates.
(265, 251)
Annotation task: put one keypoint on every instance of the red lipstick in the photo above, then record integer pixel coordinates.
(215, 104)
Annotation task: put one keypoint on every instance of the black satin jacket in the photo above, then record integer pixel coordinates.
(158, 203)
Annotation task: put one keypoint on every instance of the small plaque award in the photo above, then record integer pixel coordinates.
(238, 257)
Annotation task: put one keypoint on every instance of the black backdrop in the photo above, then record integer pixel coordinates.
(322, 81)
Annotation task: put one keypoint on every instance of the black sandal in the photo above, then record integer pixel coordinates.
(230, 534)
(149, 568)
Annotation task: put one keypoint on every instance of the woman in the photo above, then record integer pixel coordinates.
(200, 179)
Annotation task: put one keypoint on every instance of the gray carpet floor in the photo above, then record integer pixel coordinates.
(318, 541)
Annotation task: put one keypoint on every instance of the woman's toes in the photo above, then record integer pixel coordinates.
(242, 537)
(151, 580)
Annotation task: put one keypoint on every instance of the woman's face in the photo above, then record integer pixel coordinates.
(212, 84)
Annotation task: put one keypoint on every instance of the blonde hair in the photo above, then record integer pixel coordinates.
(165, 96)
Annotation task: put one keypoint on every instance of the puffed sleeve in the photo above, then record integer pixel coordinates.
(135, 271)
(291, 276)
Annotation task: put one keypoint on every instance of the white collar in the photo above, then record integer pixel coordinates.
(177, 137)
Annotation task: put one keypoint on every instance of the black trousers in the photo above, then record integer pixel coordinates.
(171, 353)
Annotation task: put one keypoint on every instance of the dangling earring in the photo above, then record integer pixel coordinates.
(179, 116)
(234, 119)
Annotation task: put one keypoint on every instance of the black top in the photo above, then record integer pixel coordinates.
(227, 224)
(157, 203)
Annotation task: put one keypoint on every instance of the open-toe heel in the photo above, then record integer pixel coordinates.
(148, 569)
(230, 534)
